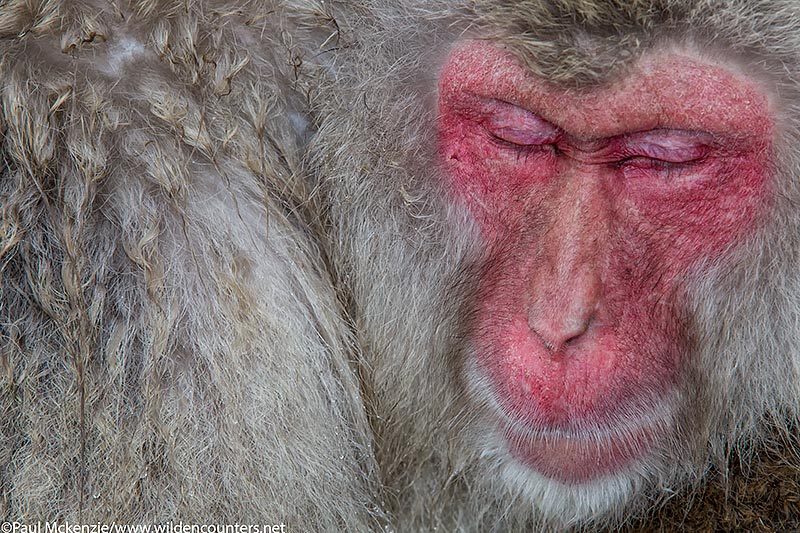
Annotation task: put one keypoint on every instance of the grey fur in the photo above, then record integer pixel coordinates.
(172, 348)
(175, 177)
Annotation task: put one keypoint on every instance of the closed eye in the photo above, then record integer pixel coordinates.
(669, 146)
(516, 125)
(656, 163)
(523, 151)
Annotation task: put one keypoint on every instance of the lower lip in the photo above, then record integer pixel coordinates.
(574, 460)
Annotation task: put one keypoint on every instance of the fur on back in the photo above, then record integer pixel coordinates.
(171, 346)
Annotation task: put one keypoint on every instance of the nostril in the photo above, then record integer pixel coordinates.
(575, 327)
(555, 334)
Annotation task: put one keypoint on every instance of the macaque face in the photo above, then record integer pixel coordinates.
(594, 206)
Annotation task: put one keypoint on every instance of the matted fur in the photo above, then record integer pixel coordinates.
(172, 348)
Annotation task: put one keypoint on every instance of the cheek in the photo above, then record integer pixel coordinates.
(679, 227)
(498, 190)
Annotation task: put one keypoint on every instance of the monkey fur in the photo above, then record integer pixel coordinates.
(231, 292)
(172, 345)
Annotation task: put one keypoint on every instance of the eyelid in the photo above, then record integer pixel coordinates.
(516, 125)
(673, 146)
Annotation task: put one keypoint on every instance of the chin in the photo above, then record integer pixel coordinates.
(590, 469)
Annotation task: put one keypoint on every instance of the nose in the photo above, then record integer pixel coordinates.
(566, 286)
(565, 306)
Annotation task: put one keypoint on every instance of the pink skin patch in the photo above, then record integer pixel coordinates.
(593, 206)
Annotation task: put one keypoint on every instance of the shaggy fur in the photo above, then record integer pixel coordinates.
(175, 177)
(172, 348)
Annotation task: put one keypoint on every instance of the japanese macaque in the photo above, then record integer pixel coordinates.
(568, 233)
(471, 266)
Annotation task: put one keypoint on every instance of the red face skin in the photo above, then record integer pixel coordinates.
(593, 206)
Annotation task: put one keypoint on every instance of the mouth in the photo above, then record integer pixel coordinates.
(579, 457)
(574, 447)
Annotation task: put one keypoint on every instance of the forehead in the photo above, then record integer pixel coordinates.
(670, 89)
